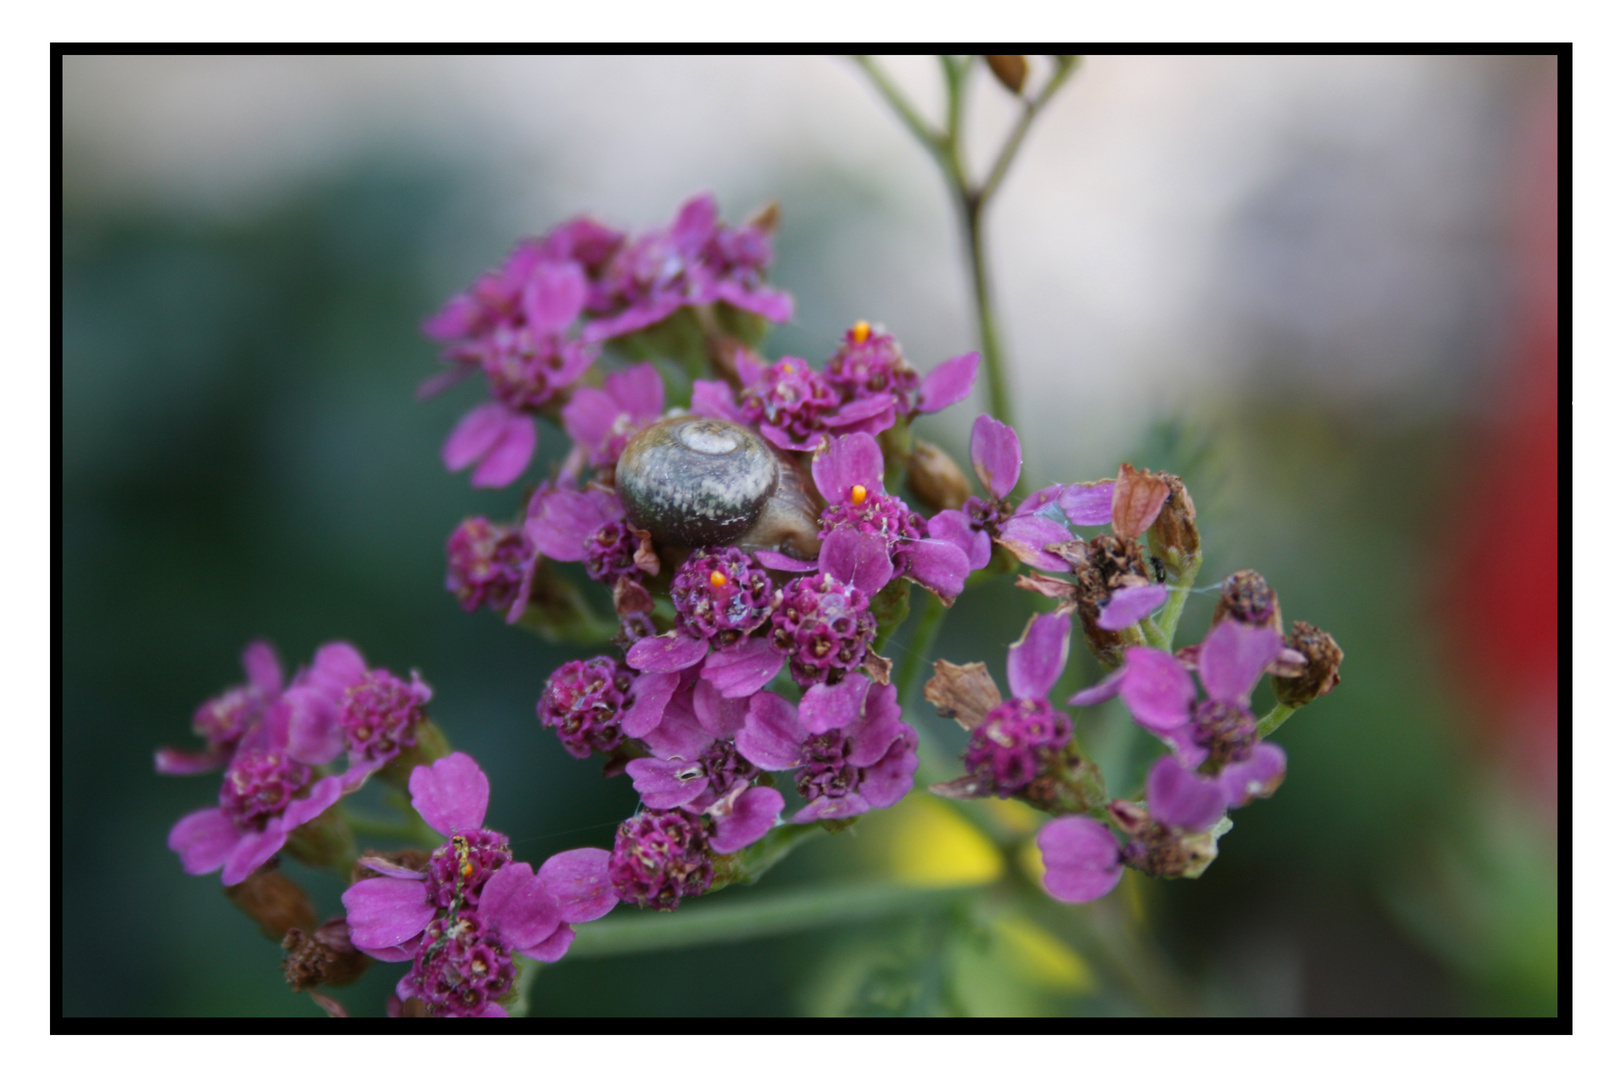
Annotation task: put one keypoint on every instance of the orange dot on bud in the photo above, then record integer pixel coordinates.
(857, 494)
(861, 331)
(716, 578)
(466, 869)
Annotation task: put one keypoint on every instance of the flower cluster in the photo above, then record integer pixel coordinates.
(461, 915)
(867, 387)
(753, 536)
(275, 741)
(1217, 762)
(536, 323)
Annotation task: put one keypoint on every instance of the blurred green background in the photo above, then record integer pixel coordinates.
(243, 457)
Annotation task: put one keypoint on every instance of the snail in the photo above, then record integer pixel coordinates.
(695, 482)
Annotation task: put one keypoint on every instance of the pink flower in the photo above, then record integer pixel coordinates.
(471, 896)
(270, 788)
(1026, 530)
(849, 475)
(850, 749)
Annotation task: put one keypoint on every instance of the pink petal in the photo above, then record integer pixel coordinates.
(393, 954)
(1081, 858)
(763, 301)
(452, 794)
(694, 223)
(1183, 743)
(860, 559)
(1089, 504)
(955, 527)
(848, 460)
(578, 882)
(744, 668)
(878, 728)
(391, 870)
(475, 435)
(1045, 497)
(638, 389)
(856, 414)
(554, 948)
(1131, 605)
(826, 707)
(948, 383)
(262, 667)
(673, 651)
(1036, 660)
(1157, 689)
(1103, 691)
(384, 912)
(781, 438)
(338, 665)
(314, 735)
(772, 736)
(435, 385)
(576, 356)
(1028, 539)
(713, 398)
(252, 851)
(1233, 656)
(457, 319)
(652, 692)
(509, 456)
(203, 839)
(775, 560)
(1244, 781)
(561, 522)
(322, 797)
(664, 785)
(679, 735)
(554, 296)
(1183, 799)
(720, 716)
(750, 817)
(891, 777)
(938, 566)
(173, 761)
(518, 906)
(997, 456)
(589, 416)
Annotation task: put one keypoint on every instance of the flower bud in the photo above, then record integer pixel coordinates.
(766, 218)
(1009, 70)
(936, 478)
(274, 902)
(1322, 658)
(324, 958)
(1247, 599)
(1173, 537)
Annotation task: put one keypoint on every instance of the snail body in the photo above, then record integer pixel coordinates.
(692, 482)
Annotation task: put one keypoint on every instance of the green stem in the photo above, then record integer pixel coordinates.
(971, 207)
(1161, 629)
(931, 140)
(955, 78)
(747, 920)
(1015, 139)
(379, 827)
(751, 864)
(1274, 719)
(527, 969)
(918, 648)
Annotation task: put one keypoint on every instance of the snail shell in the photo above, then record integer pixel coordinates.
(691, 482)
